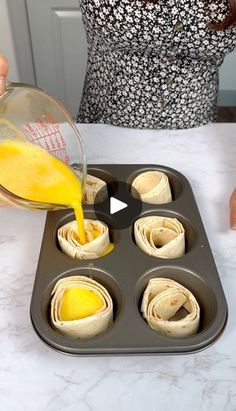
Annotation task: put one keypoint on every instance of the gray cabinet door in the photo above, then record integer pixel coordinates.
(227, 93)
(59, 49)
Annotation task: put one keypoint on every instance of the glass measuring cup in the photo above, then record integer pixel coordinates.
(27, 113)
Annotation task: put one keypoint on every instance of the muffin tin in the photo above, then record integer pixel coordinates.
(125, 273)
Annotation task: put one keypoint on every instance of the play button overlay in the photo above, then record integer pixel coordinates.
(122, 206)
(116, 205)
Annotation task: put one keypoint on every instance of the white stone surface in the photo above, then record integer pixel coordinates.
(34, 377)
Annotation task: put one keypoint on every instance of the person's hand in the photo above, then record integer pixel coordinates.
(4, 67)
(232, 204)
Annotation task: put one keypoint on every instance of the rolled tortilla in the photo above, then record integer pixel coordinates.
(170, 308)
(85, 327)
(95, 190)
(162, 237)
(96, 233)
(153, 187)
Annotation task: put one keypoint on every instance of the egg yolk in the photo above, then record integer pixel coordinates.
(108, 250)
(79, 302)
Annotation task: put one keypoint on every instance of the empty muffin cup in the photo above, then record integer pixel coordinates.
(159, 236)
(97, 240)
(80, 307)
(170, 308)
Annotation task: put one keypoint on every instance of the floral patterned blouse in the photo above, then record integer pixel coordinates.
(155, 64)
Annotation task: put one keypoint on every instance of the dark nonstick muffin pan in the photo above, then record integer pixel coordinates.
(126, 271)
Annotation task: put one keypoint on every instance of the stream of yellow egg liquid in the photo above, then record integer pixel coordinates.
(29, 171)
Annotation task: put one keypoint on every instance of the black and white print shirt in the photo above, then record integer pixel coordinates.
(153, 65)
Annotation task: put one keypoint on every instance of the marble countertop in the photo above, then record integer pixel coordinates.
(34, 377)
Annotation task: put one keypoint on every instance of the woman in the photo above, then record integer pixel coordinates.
(153, 63)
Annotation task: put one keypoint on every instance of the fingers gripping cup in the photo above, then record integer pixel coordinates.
(4, 67)
(32, 123)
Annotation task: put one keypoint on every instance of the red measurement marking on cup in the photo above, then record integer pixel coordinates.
(45, 132)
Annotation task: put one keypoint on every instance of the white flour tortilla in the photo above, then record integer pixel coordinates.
(95, 190)
(95, 248)
(85, 327)
(162, 300)
(162, 237)
(153, 187)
